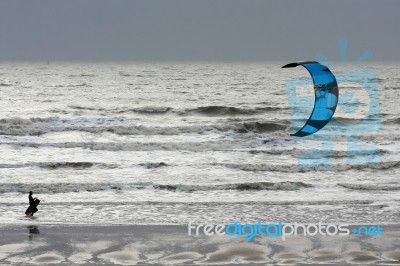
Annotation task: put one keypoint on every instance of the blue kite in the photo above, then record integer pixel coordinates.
(326, 92)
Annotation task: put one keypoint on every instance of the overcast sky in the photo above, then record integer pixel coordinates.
(202, 30)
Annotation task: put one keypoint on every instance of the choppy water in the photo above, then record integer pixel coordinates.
(172, 143)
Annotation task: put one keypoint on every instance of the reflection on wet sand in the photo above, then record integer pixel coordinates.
(33, 230)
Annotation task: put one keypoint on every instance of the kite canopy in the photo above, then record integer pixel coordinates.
(326, 97)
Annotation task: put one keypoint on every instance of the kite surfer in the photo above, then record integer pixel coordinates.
(33, 203)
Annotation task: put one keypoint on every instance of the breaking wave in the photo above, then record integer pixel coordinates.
(93, 187)
(40, 126)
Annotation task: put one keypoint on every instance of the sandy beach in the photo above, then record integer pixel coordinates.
(171, 244)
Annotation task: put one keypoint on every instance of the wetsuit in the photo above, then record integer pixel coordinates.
(32, 205)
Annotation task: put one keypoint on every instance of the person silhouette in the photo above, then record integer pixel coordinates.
(33, 203)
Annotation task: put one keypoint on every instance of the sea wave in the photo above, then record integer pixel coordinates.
(26, 126)
(60, 165)
(78, 165)
(347, 120)
(74, 165)
(147, 110)
(293, 168)
(5, 84)
(82, 75)
(214, 110)
(392, 88)
(45, 188)
(394, 121)
(305, 154)
(141, 110)
(87, 108)
(153, 165)
(217, 145)
(217, 203)
(39, 126)
(209, 110)
(369, 187)
(261, 127)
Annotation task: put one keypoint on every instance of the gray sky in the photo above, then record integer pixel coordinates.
(197, 30)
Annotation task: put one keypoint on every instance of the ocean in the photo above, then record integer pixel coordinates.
(173, 143)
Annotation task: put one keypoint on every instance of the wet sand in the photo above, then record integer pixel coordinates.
(171, 244)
